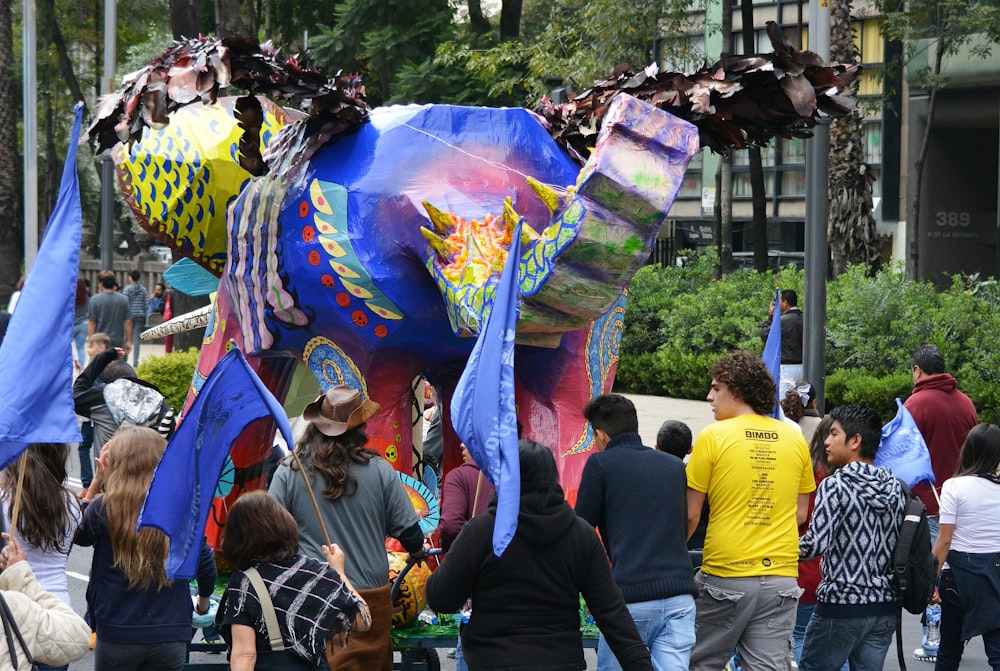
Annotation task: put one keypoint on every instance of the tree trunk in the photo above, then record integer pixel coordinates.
(759, 225)
(851, 226)
(726, 217)
(98, 56)
(227, 18)
(11, 214)
(50, 169)
(477, 21)
(918, 165)
(510, 19)
(47, 13)
(185, 18)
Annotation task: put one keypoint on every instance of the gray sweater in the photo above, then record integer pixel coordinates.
(359, 523)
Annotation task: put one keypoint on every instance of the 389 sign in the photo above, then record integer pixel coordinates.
(952, 219)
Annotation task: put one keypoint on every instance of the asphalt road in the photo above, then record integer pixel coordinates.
(652, 411)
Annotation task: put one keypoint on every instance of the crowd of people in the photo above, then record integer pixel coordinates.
(771, 545)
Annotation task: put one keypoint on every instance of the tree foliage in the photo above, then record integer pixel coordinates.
(378, 37)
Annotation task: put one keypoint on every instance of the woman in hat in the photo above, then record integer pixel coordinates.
(361, 502)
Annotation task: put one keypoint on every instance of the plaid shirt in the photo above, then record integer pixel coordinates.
(310, 600)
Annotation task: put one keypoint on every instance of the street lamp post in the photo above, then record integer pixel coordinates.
(30, 162)
(107, 166)
(817, 213)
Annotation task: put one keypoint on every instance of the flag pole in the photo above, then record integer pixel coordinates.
(312, 496)
(16, 509)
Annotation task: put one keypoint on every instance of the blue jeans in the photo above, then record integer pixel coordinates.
(86, 463)
(802, 617)
(831, 641)
(934, 525)
(460, 664)
(80, 338)
(666, 626)
(949, 654)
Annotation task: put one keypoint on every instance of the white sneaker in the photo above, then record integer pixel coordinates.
(922, 656)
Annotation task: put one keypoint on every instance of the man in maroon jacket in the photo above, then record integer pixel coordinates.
(944, 416)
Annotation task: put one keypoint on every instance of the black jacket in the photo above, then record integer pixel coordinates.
(525, 612)
(792, 330)
(637, 497)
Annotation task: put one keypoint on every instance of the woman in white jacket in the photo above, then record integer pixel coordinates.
(52, 631)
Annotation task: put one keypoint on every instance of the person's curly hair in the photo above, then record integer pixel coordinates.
(331, 457)
(748, 380)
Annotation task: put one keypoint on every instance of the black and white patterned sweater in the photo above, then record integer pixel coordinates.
(854, 528)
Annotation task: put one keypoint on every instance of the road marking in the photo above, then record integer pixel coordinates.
(78, 576)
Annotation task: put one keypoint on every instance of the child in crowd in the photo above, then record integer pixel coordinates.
(141, 618)
(96, 343)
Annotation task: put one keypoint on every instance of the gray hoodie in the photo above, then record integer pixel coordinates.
(854, 528)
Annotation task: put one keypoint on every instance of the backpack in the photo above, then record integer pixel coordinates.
(914, 566)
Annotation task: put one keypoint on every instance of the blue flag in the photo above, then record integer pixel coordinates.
(180, 496)
(772, 354)
(36, 385)
(903, 450)
(482, 409)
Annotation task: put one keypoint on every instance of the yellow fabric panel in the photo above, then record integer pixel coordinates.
(753, 469)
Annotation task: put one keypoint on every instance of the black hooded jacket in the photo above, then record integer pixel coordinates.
(525, 612)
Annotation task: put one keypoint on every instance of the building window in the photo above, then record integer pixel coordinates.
(793, 183)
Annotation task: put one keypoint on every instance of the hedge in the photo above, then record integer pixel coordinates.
(171, 373)
(678, 320)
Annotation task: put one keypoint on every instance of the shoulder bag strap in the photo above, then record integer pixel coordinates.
(267, 608)
(479, 487)
(9, 628)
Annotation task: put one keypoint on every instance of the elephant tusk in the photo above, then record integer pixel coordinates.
(180, 324)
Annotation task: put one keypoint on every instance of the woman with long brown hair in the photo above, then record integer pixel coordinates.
(142, 619)
(48, 514)
(361, 502)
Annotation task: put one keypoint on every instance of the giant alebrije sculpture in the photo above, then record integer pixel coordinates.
(367, 243)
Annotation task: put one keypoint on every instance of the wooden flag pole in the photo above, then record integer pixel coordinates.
(312, 496)
(16, 503)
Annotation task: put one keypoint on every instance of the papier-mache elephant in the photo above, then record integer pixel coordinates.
(368, 243)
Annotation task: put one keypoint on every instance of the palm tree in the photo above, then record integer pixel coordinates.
(851, 224)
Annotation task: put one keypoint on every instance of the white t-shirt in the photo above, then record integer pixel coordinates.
(50, 567)
(971, 504)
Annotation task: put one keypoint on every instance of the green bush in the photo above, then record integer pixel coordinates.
(680, 319)
(171, 374)
(858, 387)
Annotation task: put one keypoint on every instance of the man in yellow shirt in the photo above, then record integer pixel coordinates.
(757, 476)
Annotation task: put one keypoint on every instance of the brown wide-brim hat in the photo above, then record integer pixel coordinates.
(339, 410)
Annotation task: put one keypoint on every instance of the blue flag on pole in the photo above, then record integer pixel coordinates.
(903, 450)
(36, 385)
(772, 354)
(483, 411)
(183, 486)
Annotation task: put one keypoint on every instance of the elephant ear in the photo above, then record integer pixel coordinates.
(179, 180)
